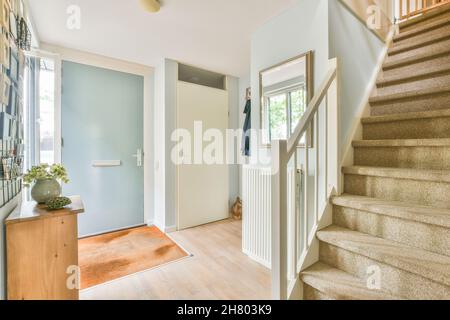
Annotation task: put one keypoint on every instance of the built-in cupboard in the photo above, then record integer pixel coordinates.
(202, 172)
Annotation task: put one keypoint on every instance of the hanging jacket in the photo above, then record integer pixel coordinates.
(247, 126)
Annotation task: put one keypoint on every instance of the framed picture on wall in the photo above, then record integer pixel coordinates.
(13, 130)
(12, 104)
(18, 166)
(14, 65)
(20, 133)
(13, 24)
(14, 4)
(7, 166)
(19, 107)
(5, 85)
(10, 189)
(21, 9)
(2, 200)
(5, 123)
(21, 56)
(4, 14)
(4, 51)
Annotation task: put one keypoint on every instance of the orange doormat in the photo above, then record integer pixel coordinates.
(114, 255)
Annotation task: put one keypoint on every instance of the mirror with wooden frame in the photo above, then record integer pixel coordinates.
(285, 92)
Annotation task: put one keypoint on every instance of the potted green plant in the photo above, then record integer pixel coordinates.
(45, 179)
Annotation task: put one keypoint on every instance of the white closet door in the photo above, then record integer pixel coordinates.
(202, 189)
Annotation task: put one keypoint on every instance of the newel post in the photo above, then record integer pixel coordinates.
(279, 220)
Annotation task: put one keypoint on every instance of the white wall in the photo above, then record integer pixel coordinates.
(166, 77)
(358, 51)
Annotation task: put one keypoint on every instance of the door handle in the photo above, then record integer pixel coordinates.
(139, 154)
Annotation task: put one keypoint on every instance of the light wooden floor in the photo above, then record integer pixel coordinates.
(218, 270)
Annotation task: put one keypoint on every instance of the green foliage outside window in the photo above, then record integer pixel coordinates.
(282, 105)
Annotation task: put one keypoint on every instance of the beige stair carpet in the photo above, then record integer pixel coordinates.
(394, 217)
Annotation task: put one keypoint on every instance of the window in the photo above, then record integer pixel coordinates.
(46, 111)
(297, 106)
(39, 115)
(284, 110)
(278, 116)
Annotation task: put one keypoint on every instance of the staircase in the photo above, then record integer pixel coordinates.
(393, 219)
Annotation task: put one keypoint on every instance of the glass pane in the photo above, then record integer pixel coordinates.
(278, 117)
(26, 115)
(298, 107)
(47, 111)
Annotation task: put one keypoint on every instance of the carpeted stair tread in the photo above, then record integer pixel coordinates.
(426, 18)
(423, 28)
(400, 173)
(397, 209)
(423, 40)
(409, 95)
(430, 72)
(426, 54)
(340, 285)
(444, 142)
(407, 116)
(430, 265)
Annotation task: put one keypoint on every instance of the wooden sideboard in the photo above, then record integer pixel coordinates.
(41, 247)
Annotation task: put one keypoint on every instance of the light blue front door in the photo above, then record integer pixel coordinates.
(102, 120)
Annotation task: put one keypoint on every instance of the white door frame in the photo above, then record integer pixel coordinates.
(58, 54)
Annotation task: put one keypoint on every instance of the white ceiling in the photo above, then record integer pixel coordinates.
(213, 34)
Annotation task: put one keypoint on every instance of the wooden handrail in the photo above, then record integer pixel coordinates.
(414, 8)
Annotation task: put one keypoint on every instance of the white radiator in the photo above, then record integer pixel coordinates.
(256, 218)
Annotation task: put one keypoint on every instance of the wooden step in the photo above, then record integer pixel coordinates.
(339, 285)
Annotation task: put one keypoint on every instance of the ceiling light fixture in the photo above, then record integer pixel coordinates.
(151, 5)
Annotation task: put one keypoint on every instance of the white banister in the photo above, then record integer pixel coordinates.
(279, 220)
(290, 243)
